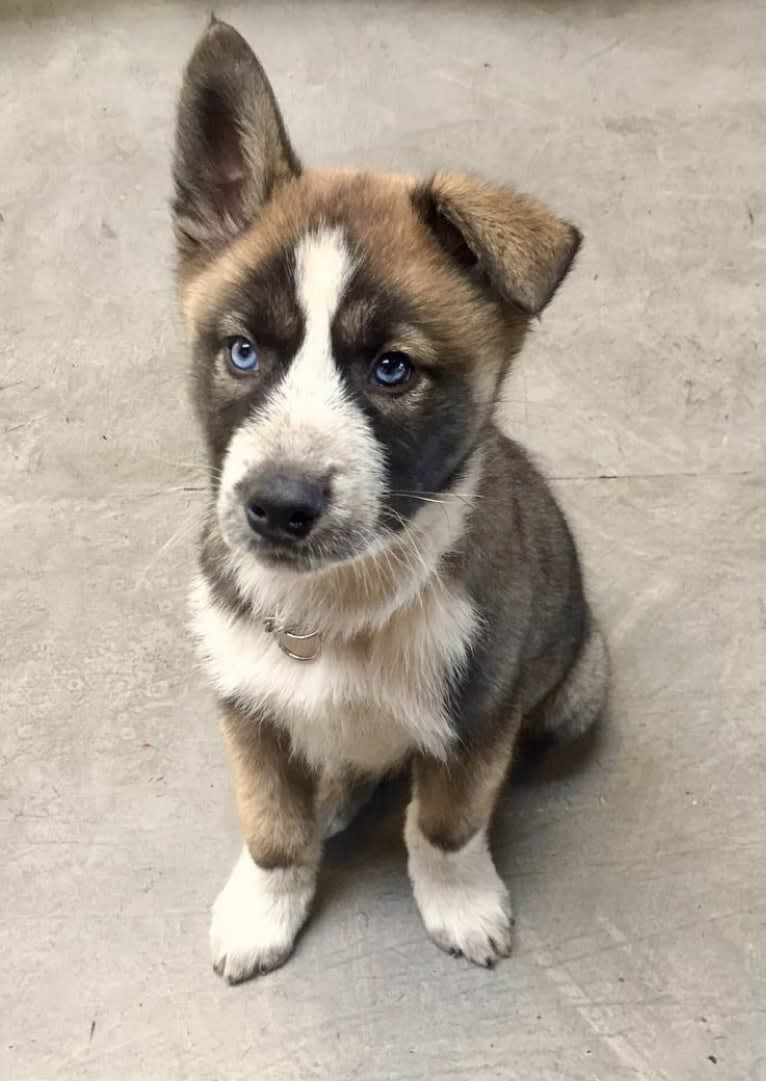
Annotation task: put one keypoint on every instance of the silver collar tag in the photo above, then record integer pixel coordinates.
(301, 647)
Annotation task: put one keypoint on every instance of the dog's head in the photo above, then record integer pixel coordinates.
(350, 330)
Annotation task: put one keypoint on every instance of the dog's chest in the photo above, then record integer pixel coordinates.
(368, 701)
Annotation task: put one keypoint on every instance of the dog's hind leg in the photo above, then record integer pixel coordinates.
(576, 704)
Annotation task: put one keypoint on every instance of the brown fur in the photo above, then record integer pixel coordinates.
(400, 249)
(524, 250)
(275, 792)
(457, 798)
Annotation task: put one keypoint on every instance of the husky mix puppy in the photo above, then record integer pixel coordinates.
(385, 579)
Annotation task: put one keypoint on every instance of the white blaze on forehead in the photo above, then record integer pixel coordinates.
(322, 267)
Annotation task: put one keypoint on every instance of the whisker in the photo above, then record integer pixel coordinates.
(172, 490)
(409, 537)
(421, 498)
(435, 497)
(190, 523)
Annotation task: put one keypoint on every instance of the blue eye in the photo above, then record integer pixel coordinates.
(243, 355)
(392, 369)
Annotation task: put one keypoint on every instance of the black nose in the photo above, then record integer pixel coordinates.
(283, 507)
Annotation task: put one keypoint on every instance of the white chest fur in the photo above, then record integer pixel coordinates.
(368, 700)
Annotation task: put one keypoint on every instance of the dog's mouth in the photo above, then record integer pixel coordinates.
(273, 554)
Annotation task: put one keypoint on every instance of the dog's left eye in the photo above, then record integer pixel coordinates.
(392, 369)
(242, 354)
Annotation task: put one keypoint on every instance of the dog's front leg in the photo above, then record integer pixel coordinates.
(462, 899)
(264, 904)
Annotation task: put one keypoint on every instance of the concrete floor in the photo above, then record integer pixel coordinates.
(639, 878)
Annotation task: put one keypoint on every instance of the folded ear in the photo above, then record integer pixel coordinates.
(231, 148)
(509, 240)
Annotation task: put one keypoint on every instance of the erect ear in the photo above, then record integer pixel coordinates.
(231, 148)
(510, 240)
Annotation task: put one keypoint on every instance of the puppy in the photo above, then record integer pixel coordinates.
(385, 579)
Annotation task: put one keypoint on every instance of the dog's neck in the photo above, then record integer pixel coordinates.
(361, 596)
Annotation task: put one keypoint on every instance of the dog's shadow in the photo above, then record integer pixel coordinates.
(372, 847)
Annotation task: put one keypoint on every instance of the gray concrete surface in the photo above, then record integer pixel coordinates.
(638, 879)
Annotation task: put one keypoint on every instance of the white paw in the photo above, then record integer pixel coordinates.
(257, 917)
(461, 897)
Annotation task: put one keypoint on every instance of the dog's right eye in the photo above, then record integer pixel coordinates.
(243, 355)
(392, 370)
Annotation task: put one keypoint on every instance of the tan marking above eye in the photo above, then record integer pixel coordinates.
(415, 344)
(233, 325)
